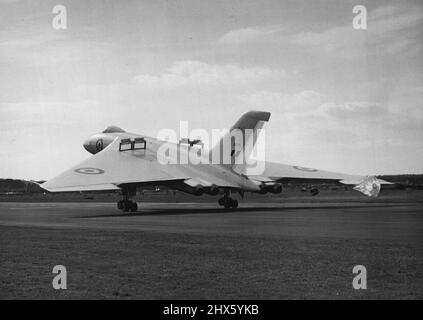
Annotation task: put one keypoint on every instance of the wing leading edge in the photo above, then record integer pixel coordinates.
(110, 168)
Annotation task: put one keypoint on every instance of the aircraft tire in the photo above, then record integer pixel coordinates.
(134, 207)
(126, 206)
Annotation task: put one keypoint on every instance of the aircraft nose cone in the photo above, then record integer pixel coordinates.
(87, 145)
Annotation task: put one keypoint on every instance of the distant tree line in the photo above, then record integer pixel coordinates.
(405, 180)
(19, 186)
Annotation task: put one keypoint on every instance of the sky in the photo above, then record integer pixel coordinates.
(341, 99)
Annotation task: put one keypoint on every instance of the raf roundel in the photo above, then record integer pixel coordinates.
(89, 170)
(99, 145)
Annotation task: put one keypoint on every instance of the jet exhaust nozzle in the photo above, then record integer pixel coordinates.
(274, 188)
(199, 190)
(213, 190)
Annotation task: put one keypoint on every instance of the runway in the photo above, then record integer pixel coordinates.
(198, 250)
(345, 220)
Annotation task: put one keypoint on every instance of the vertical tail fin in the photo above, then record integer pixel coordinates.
(242, 133)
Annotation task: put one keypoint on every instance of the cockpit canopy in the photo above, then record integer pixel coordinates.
(112, 129)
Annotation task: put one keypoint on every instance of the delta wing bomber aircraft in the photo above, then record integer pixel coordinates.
(126, 161)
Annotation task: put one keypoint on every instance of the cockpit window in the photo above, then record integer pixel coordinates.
(112, 129)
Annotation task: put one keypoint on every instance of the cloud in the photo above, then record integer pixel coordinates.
(281, 102)
(201, 75)
(392, 30)
(314, 112)
(48, 48)
(214, 88)
(32, 41)
(251, 34)
(359, 110)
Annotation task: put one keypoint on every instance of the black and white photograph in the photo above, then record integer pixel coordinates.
(211, 150)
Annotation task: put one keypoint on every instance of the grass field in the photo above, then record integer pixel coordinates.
(173, 266)
(145, 264)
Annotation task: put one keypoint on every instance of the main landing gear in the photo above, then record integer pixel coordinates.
(126, 204)
(227, 202)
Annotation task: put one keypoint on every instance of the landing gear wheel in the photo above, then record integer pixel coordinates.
(134, 207)
(228, 203)
(126, 206)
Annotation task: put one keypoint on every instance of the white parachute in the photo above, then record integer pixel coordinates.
(369, 186)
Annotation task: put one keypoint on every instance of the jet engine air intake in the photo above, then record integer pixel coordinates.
(199, 190)
(274, 188)
(213, 190)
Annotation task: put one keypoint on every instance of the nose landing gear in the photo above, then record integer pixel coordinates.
(227, 202)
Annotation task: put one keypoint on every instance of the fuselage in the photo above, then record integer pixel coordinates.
(209, 177)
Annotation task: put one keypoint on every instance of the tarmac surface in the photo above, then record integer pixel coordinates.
(291, 250)
(346, 220)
